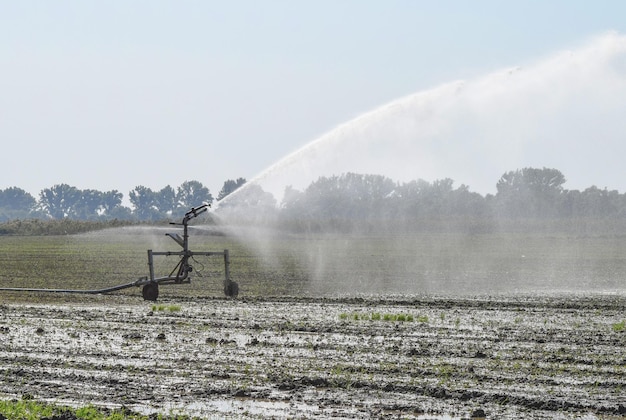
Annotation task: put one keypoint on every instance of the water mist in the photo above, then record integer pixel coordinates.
(564, 111)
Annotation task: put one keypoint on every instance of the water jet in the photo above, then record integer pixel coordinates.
(563, 111)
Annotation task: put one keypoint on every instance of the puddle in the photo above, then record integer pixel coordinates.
(241, 407)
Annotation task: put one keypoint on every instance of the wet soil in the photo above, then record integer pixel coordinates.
(412, 357)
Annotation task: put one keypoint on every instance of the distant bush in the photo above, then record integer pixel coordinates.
(33, 227)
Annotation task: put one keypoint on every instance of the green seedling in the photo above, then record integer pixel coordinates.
(29, 409)
(377, 316)
(170, 308)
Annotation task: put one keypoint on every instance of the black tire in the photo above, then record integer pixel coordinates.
(150, 292)
(231, 288)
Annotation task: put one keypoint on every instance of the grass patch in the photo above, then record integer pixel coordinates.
(619, 326)
(170, 308)
(29, 409)
(26, 409)
(377, 316)
(35, 227)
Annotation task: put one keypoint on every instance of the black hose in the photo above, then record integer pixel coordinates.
(87, 292)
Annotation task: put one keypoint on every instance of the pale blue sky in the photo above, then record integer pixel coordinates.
(116, 94)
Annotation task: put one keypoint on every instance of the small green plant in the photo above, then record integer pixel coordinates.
(377, 316)
(445, 369)
(87, 412)
(337, 370)
(171, 308)
(422, 318)
(619, 326)
(29, 409)
(25, 408)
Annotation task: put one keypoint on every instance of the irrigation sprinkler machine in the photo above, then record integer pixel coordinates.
(179, 275)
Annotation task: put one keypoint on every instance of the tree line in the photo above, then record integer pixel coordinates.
(63, 201)
(341, 203)
(526, 195)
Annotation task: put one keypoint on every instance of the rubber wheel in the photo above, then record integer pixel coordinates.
(231, 288)
(150, 291)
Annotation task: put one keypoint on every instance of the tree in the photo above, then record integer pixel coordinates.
(530, 192)
(88, 206)
(144, 202)
(165, 200)
(337, 202)
(421, 203)
(595, 202)
(538, 181)
(229, 187)
(59, 201)
(251, 205)
(15, 203)
(192, 194)
(64, 201)
(111, 203)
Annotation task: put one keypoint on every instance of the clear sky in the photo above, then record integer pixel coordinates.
(116, 94)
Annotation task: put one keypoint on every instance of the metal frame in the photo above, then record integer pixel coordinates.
(183, 268)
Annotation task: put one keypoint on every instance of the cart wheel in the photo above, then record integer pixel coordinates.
(231, 288)
(150, 291)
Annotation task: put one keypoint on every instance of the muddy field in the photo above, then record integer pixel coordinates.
(419, 357)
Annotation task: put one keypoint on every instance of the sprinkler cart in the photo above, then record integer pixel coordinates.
(150, 284)
(179, 275)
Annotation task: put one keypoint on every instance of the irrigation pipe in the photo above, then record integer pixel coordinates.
(137, 283)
